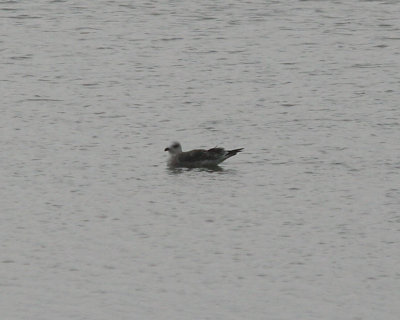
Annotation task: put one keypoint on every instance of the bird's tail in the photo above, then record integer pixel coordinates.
(233, 152)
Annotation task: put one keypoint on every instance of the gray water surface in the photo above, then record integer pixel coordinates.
(303, 224)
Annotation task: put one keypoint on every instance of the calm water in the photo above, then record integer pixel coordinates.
(304, 224)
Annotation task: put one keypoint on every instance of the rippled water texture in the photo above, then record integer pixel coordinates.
(303, 224)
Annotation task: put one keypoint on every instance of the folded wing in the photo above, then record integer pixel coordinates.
(202, 155)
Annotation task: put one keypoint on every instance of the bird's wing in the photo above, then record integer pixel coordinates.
(201, 155)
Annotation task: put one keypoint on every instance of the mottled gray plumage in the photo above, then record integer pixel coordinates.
(198, 157)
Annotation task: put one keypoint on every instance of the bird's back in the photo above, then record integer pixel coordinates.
(201, 157)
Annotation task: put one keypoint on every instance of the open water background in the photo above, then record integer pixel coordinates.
(304, 224)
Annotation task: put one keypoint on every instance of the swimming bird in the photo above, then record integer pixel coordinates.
(198, 157)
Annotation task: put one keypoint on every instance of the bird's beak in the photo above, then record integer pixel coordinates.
(166, 149)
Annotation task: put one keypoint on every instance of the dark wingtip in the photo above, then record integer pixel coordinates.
(166, 149)
(233, 152)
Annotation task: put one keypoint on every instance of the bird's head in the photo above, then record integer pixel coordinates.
(174, 148)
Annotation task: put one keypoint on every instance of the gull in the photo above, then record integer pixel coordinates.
(198, 157)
